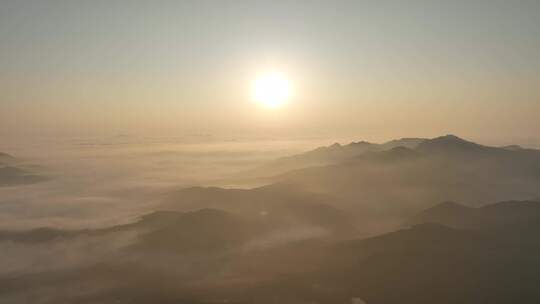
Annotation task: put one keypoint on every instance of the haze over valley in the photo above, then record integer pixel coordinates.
(269, 152)
(346, 211)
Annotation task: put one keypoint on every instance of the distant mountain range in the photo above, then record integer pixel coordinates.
(439, 169)
(382, 184)
(361, 221)
(330, 155)
(336, 153)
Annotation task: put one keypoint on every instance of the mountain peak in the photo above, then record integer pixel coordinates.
(450, 138)
(360, 143)
(2, 154)
(450, 144)
(6, 159)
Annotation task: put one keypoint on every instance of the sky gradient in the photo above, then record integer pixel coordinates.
(369, 69)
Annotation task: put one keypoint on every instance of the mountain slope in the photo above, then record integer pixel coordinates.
(503, 215)
(440, 169)
(14, 172)
(434, 264)
(328, 155)
(10, 176)
(282, 205)
(205, 231)
(6, 159)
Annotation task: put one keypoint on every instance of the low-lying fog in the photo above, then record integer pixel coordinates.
(107, 181)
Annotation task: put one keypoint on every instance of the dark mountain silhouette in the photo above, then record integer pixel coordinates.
(503, 215)
(205, 231)
(161, 221)
(318, 157)
(14, 172)
(332, 154)
(452, 144)
(282, 205)
(426, 263)
(10, 176)
(404, 181)
(429, 263)
(6, 159)
(148, 222)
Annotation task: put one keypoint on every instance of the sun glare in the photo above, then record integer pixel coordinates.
(271, 90)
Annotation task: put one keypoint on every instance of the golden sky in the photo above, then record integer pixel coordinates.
(370, 69)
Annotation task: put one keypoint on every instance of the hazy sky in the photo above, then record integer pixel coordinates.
(371, 69)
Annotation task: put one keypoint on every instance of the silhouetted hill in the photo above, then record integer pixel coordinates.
(14, 172)
(204, 231)
(332, 154)
(282, 205)
(453, 145)
(145, 223)
(431, 264)
(204, 253)
(404, 181)
(503, 215)
(318, 157)
(427, 263)
(10, 176)
(381, 187)
(6, 159)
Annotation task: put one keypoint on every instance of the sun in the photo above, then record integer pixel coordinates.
(271, 89)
